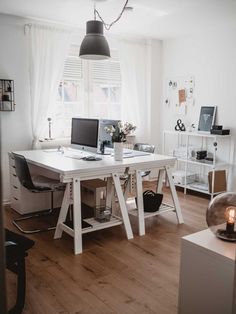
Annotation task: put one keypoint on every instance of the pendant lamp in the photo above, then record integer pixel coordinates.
(94, 45)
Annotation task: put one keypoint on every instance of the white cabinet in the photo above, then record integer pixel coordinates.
(206, 274)
(23, 201)
(205, 176)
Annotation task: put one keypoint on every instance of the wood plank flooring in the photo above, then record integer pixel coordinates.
(113, 275)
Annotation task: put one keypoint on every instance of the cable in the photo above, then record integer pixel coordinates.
(106, 25)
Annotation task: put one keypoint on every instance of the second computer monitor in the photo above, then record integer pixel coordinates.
(84, 134)
(103, 136)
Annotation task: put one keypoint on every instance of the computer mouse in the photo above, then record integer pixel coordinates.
(91, 158)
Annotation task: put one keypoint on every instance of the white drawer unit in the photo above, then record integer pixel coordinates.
(23, 201)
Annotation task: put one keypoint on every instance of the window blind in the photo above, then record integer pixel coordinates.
(73, 68)
(107, 71)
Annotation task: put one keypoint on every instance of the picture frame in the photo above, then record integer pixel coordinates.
(206, 118)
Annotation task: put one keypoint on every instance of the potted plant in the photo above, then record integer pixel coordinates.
(118, 134)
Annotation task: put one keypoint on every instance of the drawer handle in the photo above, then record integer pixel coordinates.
(14, 175)
(15, 198)
(14, 167)
(16, 187)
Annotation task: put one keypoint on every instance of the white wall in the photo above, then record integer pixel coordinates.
(15, 126)
(211, 58)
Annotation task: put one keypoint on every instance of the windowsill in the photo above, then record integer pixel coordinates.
(55, 142)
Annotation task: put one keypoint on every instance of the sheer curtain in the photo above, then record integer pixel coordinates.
(48, 47)
(134, 75)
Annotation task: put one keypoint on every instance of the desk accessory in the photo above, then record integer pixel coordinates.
(221, 216)
(91, 158)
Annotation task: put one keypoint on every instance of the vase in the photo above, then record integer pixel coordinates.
(118, 151)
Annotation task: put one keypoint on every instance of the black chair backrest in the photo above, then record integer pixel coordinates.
(22, 171)
(144, 147)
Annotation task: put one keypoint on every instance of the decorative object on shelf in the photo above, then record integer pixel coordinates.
(49, 129)
(180, 126)
(7, 95)
(102, 213)
(206, 118)
(221, 216)
(119, 134)
(94, 45)
(218, 129)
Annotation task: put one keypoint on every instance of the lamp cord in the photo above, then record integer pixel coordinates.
(106, 25)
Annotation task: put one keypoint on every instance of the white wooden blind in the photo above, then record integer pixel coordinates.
(103, 71)
(73, 68)
(107, 71)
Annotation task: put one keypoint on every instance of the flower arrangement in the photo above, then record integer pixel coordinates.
(120, 131)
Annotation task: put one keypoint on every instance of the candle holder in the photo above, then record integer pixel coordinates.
(221, 216)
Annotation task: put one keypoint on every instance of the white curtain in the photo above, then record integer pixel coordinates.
(48, 47)
(135, 99)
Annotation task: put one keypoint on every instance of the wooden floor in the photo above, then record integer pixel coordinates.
(113, 275)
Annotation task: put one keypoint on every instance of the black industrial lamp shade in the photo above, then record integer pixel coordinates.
(94, 45)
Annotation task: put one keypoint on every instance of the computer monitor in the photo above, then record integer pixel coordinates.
(103, 136)
(84, 134)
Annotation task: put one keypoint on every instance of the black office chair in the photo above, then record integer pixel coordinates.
(143, 147)
(16, 247)
(35, 184)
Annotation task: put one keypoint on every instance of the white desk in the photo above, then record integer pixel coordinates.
(72, 171)
(206, 274)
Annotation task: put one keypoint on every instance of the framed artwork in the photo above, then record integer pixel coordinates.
(206, 118)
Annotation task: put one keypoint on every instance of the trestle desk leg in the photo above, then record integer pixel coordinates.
(139, 188)
(109, 192)
(63, 212)
(123, 207)
(160, 180)
(174, 196)
(77, 216)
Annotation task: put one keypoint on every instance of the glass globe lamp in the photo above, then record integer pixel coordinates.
(221, 216)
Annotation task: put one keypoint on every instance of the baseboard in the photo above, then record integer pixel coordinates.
(6, 202)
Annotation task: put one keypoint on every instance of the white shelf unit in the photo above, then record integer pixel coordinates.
(203, 141)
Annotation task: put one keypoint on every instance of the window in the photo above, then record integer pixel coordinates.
(87, 89)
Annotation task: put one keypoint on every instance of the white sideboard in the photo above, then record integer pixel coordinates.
(206, 274)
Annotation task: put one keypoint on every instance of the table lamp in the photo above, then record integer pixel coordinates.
(221, 216)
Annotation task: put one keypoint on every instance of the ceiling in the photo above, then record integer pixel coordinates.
(150, 18)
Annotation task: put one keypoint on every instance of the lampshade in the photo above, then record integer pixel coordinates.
(94, 45)
(221, 216)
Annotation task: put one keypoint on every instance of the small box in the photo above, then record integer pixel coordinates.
(217, 127)
(102, 213)
(221, 132)
(179, 177)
